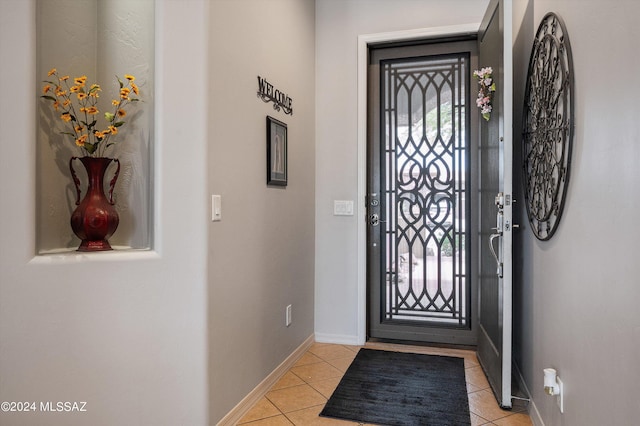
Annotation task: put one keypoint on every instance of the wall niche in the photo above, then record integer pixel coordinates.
(101, 39)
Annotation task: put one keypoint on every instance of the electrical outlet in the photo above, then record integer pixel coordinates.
(287, 316)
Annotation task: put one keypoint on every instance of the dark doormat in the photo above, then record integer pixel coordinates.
(394, 388)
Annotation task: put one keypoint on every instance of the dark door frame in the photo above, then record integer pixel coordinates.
(364, 41)
(429, 331)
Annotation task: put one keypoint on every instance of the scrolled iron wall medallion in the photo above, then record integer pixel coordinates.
(548, 126)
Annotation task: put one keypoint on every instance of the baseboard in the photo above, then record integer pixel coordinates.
(338, 339)
(234, 416)
(534, 414)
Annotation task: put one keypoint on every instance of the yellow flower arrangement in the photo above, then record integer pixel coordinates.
(81, 117)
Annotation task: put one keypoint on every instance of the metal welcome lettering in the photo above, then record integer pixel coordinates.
(280, 100)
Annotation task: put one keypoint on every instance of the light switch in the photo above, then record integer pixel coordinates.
(343, 207)
(216, 208)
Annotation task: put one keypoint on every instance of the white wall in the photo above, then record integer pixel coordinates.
(123, 331)
(579, 291)
(338, 24)
(262, 252)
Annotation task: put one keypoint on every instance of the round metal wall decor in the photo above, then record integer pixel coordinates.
(548, 126)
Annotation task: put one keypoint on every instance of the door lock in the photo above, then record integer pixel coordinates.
(374, 220)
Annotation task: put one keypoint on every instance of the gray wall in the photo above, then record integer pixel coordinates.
(124, 331)
(574, 295)
(127, 331)
(578, 292)
(130, 330)
(339, 23)
(261, 256)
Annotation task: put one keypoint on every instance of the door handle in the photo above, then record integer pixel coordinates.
(495, 255)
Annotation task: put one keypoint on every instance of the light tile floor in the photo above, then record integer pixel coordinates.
(299, 396)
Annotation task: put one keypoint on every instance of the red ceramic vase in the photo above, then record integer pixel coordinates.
(95, 218)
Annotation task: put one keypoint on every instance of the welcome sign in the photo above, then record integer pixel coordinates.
(280, 100)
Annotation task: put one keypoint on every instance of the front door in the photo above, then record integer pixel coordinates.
(496, 222)
(421, 194)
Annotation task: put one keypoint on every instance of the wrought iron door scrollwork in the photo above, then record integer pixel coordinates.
(548, 126)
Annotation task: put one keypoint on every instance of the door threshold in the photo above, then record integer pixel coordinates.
(419, 343)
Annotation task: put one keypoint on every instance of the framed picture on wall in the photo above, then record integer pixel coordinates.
(277, 166)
